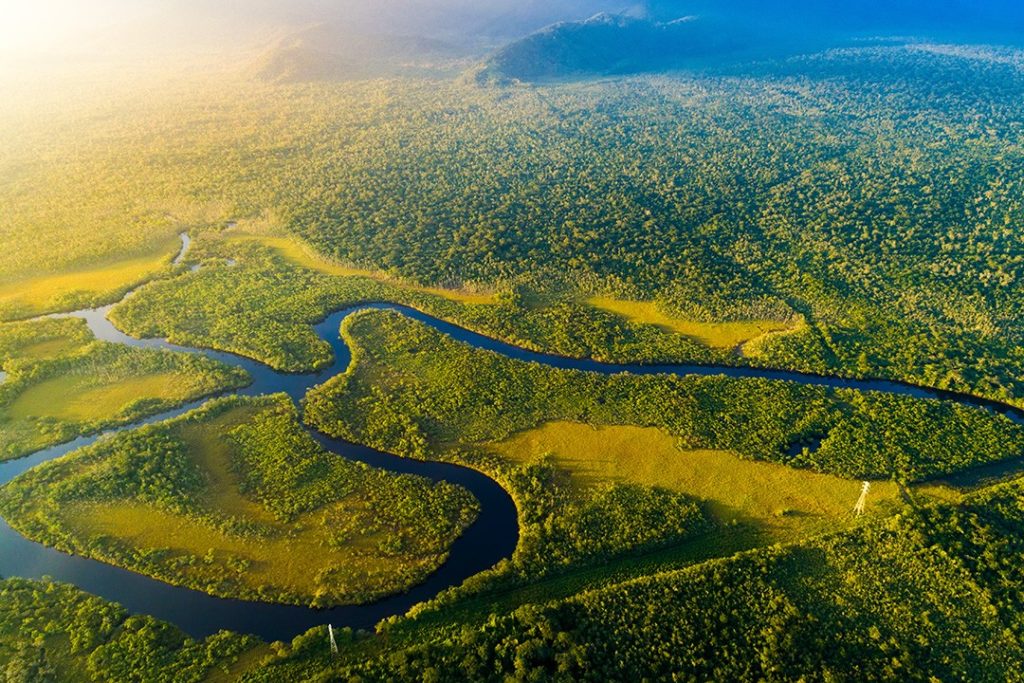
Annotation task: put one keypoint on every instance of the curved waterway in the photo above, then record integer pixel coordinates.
(489, 539)
(492, 537)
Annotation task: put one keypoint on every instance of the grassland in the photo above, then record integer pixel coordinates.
(602, 467)
(50, 348)
(294, 252)
(30, 296)
(89, 398)
(718, 335)
(44, 339)
(782, 502)
(237, 500)
(63, 383)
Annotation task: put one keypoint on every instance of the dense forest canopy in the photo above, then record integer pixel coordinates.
(871, 190)
(828, 188)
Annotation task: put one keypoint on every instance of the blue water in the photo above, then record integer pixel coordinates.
(492, 537)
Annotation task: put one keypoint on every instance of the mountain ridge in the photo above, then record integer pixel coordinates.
(608, 44)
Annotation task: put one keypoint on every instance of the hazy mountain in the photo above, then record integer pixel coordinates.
(284, 41)
(455, 21)
(653, 37)
(406, 37)
(328, 52)
(357, 39)
(528, 39)
(611, 44)
(160, 26)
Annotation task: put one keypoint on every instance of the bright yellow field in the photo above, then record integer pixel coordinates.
(783, 501)
(290, 560)
(44, 293)
(727, 335)
(294, 556)
(295, 253)
(86, 398)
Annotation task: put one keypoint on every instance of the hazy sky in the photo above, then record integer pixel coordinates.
(56, 26)
(47, 24)
(67, 26)
(61, 25)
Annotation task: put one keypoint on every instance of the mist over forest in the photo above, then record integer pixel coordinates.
(123, 27)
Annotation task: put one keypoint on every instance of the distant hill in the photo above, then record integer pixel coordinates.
(327, 52)
(647, 36)
(611, 44)
(360, 30)
(984, 19)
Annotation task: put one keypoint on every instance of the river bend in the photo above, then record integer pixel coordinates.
(492, 537)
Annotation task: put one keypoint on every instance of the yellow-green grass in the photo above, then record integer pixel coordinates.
(50, 348)
(50, 292)
(209, 448)
(938, 492)
(293, 560)
(784, 502)
(294, 252)
(250, 660)
(289, 560)
(43, 339)
(66, 664)
(719, 335)
(91, 397)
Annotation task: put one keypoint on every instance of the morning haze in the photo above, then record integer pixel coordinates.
(561, 340)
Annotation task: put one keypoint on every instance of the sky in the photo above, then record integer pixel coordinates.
(45, 25)
(67, 26)
(61, 26)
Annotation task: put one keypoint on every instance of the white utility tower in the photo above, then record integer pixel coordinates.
(858, 509)
(334, 645)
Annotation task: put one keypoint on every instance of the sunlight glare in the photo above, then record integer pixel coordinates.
(46, 26)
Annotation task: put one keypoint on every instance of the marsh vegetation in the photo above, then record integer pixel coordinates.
(851, 213)
(237, 500)
(63, 383)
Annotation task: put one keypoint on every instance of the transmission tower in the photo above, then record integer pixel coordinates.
(858, 509)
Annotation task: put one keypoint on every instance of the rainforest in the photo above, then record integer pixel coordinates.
(511, 341)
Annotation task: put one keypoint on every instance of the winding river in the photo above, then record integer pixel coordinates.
(492, 537)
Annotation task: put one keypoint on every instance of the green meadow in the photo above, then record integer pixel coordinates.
(235, 499)
(62, 383)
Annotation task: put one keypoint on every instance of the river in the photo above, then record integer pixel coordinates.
(492, 537)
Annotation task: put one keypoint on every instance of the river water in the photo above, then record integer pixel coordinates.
(492, 537)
